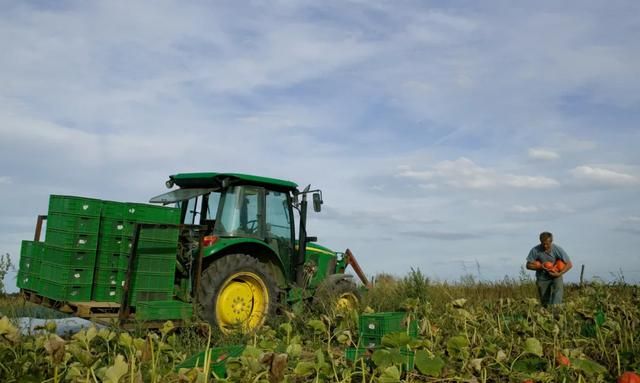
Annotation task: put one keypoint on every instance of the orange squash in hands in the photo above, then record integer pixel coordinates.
(560, 265)
(548, 266)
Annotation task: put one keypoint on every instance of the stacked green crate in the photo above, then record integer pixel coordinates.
(31, 254)
(66, 271)
(153, 271)
(373, 327)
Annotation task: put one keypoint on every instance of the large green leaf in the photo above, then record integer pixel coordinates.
(114, 373)
(382, 358)
(456, 344)
(533, 346)
(390, 375)
(396, 339)
(529, 365)
(427, 365)
(304, 368)
(317, 325)
(589, 367)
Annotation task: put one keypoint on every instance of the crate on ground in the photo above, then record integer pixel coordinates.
(217, 359)
(163, 310)
(73, 223)
(70, 257)
(71, 241)
(66, 274)
(65, 292)
(142, 295)
(140, 212)
(75, 205)
(355, 354)
(28, 281)
(379, 324)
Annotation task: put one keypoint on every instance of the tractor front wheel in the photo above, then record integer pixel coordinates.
(237, 293)
(338, 295)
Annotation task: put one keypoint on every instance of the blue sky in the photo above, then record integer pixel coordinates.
(445, 135)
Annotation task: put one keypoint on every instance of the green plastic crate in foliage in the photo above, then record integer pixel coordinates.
(379, 324)
(70, 257)
(66, 274)
(73, 223)
(217, 358)
(65, 292)
(163, 310)
(75, 205)
(356, 354)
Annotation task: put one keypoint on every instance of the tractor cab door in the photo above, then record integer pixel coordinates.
(279, 229)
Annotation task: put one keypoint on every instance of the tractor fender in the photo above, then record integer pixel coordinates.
(249, 246)
(333, 279)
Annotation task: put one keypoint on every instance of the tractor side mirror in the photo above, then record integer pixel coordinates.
(317, 202)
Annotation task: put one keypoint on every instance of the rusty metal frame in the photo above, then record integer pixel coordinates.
(41, 219)
(351, 260)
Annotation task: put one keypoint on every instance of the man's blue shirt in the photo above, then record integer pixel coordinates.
(538, 254)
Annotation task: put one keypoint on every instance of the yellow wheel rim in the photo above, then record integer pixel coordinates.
(347, 301)
(242, 302)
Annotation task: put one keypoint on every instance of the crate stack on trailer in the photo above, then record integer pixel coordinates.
(373, 327)
(86, 255)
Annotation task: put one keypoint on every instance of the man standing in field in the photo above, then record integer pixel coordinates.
(549, 282)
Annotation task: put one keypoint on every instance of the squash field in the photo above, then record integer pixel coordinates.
(467, 332)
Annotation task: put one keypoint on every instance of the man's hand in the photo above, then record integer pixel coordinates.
(535, 265)
(555, 274)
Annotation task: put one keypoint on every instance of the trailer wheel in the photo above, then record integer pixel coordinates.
(237, 293)
(340, 295)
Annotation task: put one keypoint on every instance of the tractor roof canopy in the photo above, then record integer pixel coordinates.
(215, 180)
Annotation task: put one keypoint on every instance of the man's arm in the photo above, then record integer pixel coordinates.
(531, 261)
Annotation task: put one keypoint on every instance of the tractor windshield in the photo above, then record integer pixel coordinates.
(238, 214)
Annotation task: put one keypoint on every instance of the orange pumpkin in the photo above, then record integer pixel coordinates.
(548, 265)
(629, 377)
(560, 265)
(562, 360)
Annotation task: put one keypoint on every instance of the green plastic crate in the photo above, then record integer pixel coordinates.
(28, 281)
(140, 212)
(217, 358)
(30, 265)
(113, 209)
(106, 293)
(111, 260)
(379, 324)
(142, 295)
(32, 249)
(124, 228)
(75, 205)
(66, 274)
(109, 276)
(148, 280)
(73, 223)
(71, 241)
(163, 310)
(70, 257)
(65, 292)
(355, 354)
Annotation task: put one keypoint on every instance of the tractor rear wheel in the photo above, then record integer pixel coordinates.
(237, 293)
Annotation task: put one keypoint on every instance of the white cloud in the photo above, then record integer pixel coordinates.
(542, 154)
(463, 173)
(537, 209)
(4, 180)
(604, 176)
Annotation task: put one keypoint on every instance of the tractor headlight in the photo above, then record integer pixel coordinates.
(169, 184)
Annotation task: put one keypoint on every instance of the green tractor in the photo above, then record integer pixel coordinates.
(249, 259)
